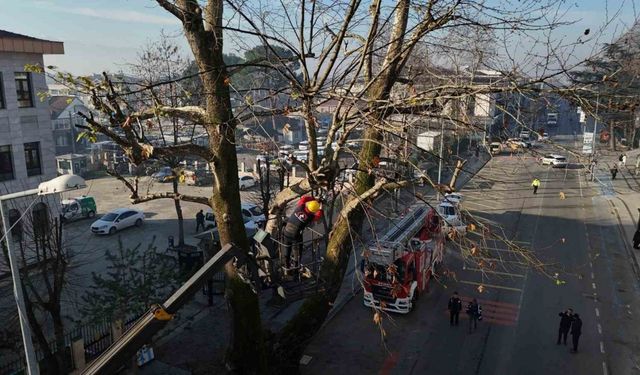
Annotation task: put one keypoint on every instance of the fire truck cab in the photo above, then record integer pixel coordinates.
(398, 267)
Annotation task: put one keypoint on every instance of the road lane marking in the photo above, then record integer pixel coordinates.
(495, 272)
(593, 285)
(604, 368)
(491, 286)
(599, 328)
(590, 264)
(597, 312)
(601, 347)
(593, 276)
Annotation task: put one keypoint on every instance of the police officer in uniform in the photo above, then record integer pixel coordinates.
(307, 210)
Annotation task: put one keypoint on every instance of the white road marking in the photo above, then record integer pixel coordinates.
(604, 368)
(590, 264)
(599, 328)
(580, 180)
(601, 347)
(597, 312)
(593, 276)
(593, 285)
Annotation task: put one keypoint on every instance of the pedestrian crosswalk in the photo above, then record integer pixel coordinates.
(495, 312)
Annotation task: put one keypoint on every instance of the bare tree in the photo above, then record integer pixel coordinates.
(44, 258)
(362, 58)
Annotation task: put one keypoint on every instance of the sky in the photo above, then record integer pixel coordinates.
(103, 35)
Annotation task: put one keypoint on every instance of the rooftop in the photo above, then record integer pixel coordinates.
(12, 42)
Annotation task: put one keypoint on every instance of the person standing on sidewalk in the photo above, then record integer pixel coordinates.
(455, 305)
(536, 185)
(475, 312)
(624, 159)
(576, 331)
(199, 221)
(614, 172)
(565, 325)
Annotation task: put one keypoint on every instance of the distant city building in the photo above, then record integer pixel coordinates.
(27, 149)
(65, 118)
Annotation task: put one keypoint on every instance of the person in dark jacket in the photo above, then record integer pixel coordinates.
(636, 239)
(576, 331)
(307, 210)
(455, 306)
(475, 312)
(565, 324)
(199, 220)
(614, 172)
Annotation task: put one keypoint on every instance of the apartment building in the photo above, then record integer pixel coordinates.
(27, 148)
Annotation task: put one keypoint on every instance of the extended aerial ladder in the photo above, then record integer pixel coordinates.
(384, 251)
(151, 322)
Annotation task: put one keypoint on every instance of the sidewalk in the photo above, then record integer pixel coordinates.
(623, 195)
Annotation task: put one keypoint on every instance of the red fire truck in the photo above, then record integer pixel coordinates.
(398, 267)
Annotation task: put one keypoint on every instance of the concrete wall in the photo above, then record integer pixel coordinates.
(22, 125)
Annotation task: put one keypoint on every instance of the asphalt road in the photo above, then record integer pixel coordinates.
(585, 266)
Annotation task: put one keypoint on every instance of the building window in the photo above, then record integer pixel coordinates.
(6, 164)
(32, 158)
(2, 104)
(62, 140)
(61, 124)
(64, 164)
(23, 89)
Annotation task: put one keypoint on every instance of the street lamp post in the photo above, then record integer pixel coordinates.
(56, 185)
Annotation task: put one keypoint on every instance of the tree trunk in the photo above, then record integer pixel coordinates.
(176, 203)
(296, 334)
(612, 136)
(299, 330)
(202, 23)
(58, 328)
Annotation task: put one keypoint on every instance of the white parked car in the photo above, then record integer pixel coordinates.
(246, 182)
(451, 218)
(254, 212)
(455, 198)
(210, 221)
(525, 135)
(303, 146)
(554, 160)
(116, 220)
(303, 156)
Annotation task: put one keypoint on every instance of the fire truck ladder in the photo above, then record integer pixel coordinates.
(399, 235)
(121, 351)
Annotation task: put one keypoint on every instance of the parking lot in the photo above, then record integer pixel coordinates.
(89, 249)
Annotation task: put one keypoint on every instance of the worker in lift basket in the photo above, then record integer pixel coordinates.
(307, 210)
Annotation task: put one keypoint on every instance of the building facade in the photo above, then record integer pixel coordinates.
(64, 119)
(27, 148)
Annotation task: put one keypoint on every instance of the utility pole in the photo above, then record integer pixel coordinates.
(440, 156)
(595, 127)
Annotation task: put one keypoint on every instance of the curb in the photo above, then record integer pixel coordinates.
(635, 263)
